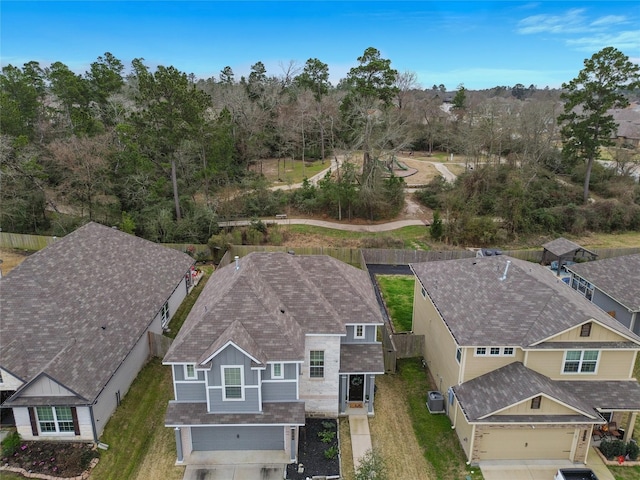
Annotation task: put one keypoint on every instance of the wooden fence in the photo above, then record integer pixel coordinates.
(159, 344)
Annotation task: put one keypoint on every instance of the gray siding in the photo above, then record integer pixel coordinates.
(607, 304)
(290, 372)
(237, 438)
(279, 391)
(231, 356)
(178, 373)
(369, 335)
(191, 392)
(249, 405)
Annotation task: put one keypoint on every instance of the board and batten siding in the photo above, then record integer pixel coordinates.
(231, 356)
(23, 426)
(463, 428)
(439, 345)
(547, 407)
(191, 392)
(46, 387)
(250, 404)
(9, 382)
(598, 334)
(178, 374)
(290, 371)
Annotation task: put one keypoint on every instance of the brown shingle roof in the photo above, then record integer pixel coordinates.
(75, 309)
(562, 247)
(527, 307)
(282, 413)
(278, 298)
(618, 277)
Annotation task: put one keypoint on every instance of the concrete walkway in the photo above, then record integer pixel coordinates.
(381, 227)
(360, 437)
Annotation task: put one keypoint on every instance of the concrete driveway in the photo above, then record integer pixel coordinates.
(234, 472)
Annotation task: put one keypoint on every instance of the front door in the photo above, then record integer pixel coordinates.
(356, 388)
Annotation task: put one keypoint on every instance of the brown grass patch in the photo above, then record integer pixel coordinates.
(11, 259)
(392, 432)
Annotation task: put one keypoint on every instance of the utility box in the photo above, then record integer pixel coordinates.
(435, 402)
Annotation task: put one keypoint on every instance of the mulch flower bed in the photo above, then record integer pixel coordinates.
(58, 459)
(317, 456)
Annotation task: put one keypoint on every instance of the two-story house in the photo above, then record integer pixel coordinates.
(527, 366)
(613, 284)
(75, 324)
(273, 338)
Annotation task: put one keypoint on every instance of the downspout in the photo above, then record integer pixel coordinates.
(93, 424)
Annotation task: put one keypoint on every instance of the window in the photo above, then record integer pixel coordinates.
(495, 351)
(316, 364)
(164, 314)
(359, 332)
(481, 351)
(55, 419)
(276, 370)
(508, 351)
(580, 361)
(190, 372)
(535, 402)
(459, 355)
(232, 383)
(423, 292)
(585, 330)
(582, 286)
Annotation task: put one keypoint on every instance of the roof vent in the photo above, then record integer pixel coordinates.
(237, 262)
(506, 269)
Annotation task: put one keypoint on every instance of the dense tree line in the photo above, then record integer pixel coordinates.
(165, 155)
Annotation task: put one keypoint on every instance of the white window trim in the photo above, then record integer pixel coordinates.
(324, 365)
(512, 354)
(492, 354)
(224, 386)
(580, 362)
(478, 354)
(423, 292)
(55, 422)
(355, 331)
(488, 353)
(164, 314)
(459, 355)
(186, 372)
(273, 371)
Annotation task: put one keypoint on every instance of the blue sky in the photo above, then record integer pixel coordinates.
(478, 44)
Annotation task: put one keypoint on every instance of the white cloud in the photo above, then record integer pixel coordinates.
(572, 21)
(609, 20)
(627, 41)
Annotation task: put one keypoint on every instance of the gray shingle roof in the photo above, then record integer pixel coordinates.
(561, 246)
(618, 277)
(282, 413)
(527, 307)
(361, 358)
(483, 397)
(276, 298)
(55, 304)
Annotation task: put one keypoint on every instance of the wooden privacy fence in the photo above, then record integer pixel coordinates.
(159, 344)
(21, 241)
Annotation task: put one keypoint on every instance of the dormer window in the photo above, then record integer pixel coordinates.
(585, 330)
(359, 331)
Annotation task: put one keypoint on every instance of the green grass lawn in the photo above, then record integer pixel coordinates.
(411, 236)
(184, 309)
(137, 427)
(293, 172)
(397, 292)
(439, 443)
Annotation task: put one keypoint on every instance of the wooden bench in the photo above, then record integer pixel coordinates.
(281, 216)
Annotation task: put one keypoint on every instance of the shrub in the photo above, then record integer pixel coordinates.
(372, 466)
(327, 436)
(632, 451)
(331, 452)
(11, 444)
(613, 448)
(382, 241)
(328, 425)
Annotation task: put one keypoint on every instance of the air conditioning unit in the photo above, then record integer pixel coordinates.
(435, 402)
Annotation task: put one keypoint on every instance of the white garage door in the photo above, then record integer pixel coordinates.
(529, 444)
(237, 438)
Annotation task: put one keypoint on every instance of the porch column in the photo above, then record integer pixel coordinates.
(628, 430)
(344, 392)
(179, 444)
(372, 385)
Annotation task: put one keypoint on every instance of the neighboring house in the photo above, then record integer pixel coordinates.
(74, 328)
(527, 366)
(614, 285)
(271, 339)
